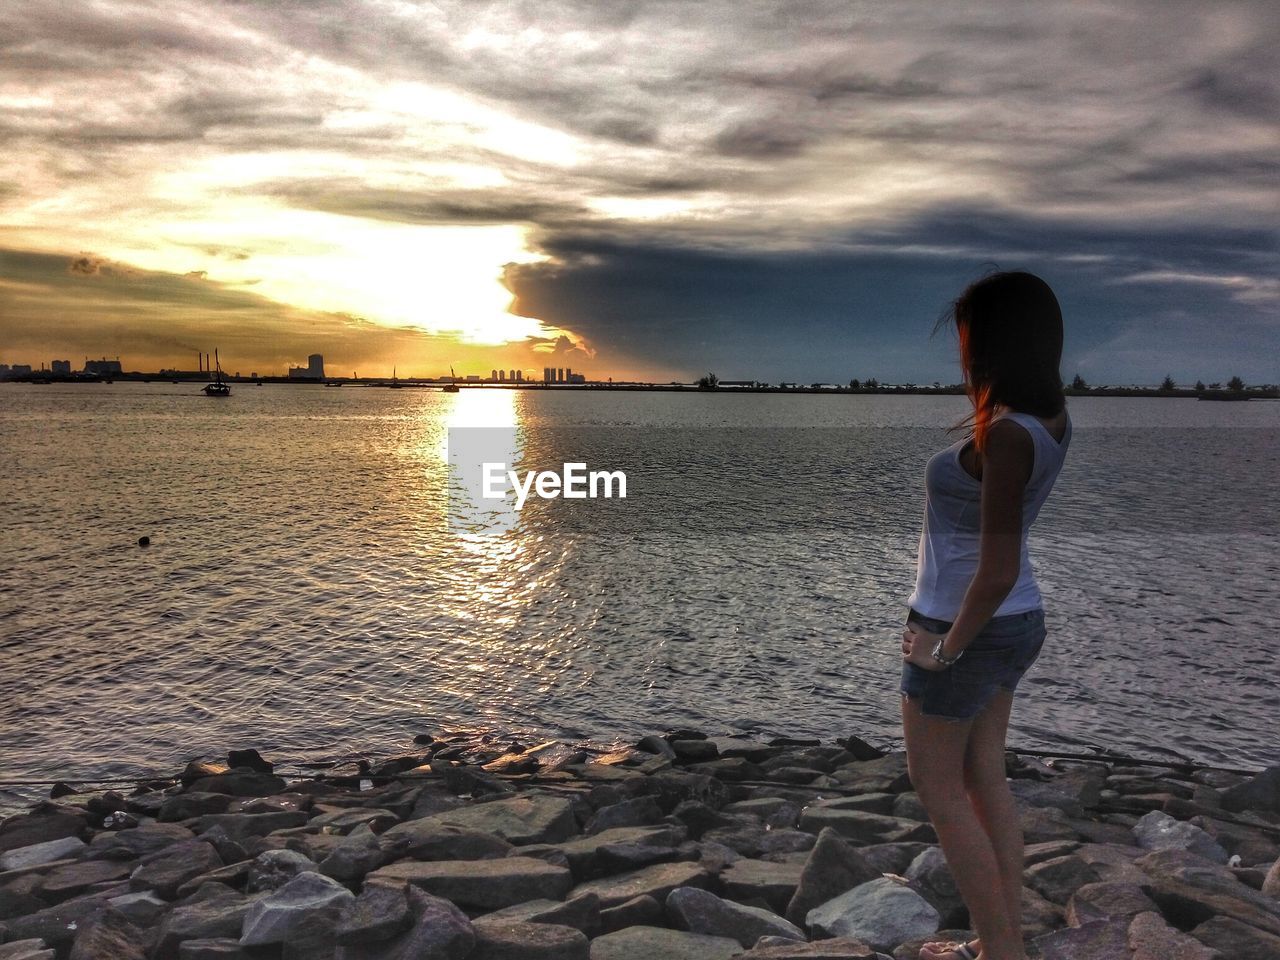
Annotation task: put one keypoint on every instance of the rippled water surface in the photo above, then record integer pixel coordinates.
(308, 591)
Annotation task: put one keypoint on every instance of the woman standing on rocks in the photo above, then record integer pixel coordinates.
(975, 622)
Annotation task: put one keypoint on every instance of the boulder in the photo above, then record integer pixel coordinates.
(1105, 899)
(1190, 890)
(242, 826)
(931, 877)
(240, 783)
(1271, 883)
(636, 812)
(379, 913)
(698, 911)
(62, 883)
(46, 822)
(272, 869)
(1096, 940)
(217, 914)
(832, 868)
(750, 881)
(109, 935)
(26, 950)
(518, 820)
(517, 940)
(1150, 938)
(1237, 941)
(881, 913)
(141, 909)
(481, 884)
(166, 870)
(189, 805)
(299, 909)
(583, 853)
(346, 820)
(656, 881)
(1260, 794)
(581, 913)
(359, 853)
(1057, 878)
(430, 839)
(657, 943)
(642, 911)
(440, 931)
(1159, 831)
(137, 842)
(38, 854)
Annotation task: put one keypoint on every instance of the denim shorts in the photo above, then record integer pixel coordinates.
(997, 658)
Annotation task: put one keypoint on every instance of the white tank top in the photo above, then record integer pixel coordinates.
(949, 539)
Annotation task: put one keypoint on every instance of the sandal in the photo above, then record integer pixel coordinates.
(964, 951)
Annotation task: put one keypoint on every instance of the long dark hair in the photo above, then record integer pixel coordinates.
(1010, 330)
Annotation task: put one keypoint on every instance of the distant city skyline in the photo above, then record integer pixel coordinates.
(774, 191)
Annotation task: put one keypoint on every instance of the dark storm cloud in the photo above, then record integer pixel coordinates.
(867, 308)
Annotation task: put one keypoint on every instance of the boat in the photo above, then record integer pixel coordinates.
(451, 386)
(395, 384)
(219, 387)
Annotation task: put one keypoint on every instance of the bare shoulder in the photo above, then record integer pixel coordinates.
(1009, 437)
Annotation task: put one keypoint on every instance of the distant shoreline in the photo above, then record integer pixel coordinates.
(1251, 393)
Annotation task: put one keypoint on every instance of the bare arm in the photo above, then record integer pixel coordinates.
(1006, 468)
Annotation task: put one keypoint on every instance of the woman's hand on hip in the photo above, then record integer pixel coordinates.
(917, 647)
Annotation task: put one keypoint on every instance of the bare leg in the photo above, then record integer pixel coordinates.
(936, 751)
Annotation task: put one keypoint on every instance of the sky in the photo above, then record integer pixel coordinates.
(649, 189)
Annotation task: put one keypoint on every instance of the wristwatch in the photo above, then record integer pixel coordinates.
(942, 657)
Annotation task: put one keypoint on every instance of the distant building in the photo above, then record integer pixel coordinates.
(560, 375)
(493, 374)
(20, 370)
(314, 370)
(575, 377)
(546, 374)
(102, 367)
(5, 370)
(61, 368)
(471, 378)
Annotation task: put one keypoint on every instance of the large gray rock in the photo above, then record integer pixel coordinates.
(1096, 940)
(430, 839)
(658, 943)
(519, 820)
(242, 826)
(47, 822)
(379, 913)
(62, 883)
(272, 869)
(305, 902)
(699, 911)
(1237, 941)
(581, 913)
(636, 912)
(931, 876)
(882, 913)
(109, 935)
(218, 948)
(359, 853)
(137, 842)
(26, 950)
(636, 812)
(1057, 878)
(1047, 795)
(656, 881)
(1271, 883)
(217, 914)
(1190, 890)
(166, 870)
(1260, 794)
(440, 931)
(751, 880)
(517, 940)
(833, 867)
(1159, 831)
(481, 884)
(1100, 901)
(42, 853)
(1151, 938)
(583, 853)
(240, 782)
(141, 908)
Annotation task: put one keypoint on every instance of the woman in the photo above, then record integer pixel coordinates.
(975, 623)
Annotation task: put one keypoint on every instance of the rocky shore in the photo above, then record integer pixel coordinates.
(685, 847)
